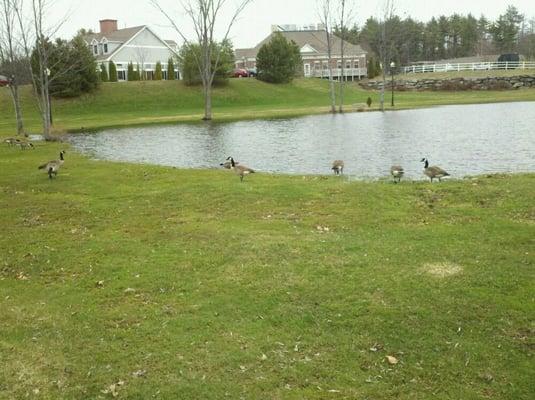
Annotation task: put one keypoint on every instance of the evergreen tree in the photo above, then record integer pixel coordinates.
(130, 72)
(170, 70)
(72, 67)
(505, 30)
(103, 73)
(279, 60)
(158, 72)
(112, 72)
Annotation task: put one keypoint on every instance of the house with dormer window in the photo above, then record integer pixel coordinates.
(138, 45)
(312, 42)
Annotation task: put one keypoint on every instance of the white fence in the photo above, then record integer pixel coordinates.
(477, 66)
(349, 73)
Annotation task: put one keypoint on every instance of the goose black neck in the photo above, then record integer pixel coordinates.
(426, 164)
(232, 162)
(61, 156)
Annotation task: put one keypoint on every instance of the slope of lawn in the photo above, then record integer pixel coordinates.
(133, 281)
(130, 103)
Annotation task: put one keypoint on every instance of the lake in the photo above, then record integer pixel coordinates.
(464, 140)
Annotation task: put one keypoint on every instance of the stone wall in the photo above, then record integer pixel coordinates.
(489, 83)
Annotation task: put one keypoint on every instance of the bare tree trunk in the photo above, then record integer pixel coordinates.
(9, 54)
(326, 19)
(14, 89)
(331, 80)
(342, 69)
(208, 103)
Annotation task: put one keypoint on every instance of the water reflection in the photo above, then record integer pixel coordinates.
(464, 140)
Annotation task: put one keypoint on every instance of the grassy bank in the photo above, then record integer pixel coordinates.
(150, 282)
(165, 102)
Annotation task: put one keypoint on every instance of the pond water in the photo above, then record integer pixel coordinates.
(464, 140)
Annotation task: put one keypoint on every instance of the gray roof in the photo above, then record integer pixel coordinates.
(315, 39)
(121, 35)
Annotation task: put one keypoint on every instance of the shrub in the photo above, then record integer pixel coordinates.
(112, 72)
(279, 60)
(130, 72)
(103, 73)
(158, 72)
(170, 70)
(369, 102)
(190, 69)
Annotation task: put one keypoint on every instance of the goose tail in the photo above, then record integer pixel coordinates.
(42, 166)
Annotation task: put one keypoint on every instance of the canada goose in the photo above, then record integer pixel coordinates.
(12, 141)
(338, 167)
(434, 171)
(397, 172)
(53, 166)
(228, 164)
(240, 170)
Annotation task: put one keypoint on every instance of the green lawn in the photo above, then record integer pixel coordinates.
(124, 104)
(150, 282)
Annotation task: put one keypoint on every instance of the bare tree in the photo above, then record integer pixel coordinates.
(11, 54)
(385, 45)
(326, 18)
(204, 14)
(142, 54)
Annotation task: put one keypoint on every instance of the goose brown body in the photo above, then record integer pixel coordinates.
(434, 171)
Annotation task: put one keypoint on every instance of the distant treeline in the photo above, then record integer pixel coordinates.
(445, 37)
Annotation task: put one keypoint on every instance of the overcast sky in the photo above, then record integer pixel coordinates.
(255, 22)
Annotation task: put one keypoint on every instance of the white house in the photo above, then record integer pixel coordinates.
(138, 45)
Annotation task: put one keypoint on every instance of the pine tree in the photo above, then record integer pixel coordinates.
(158, 72)
(279, 60)
(103, 73)
(170, 70)
(112, 72)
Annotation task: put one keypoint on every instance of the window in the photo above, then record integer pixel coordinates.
(121, 75)
(105, 48)
(95, 49)
(307, 69)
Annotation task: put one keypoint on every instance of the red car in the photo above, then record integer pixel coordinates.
(3, 80)
(240, 73)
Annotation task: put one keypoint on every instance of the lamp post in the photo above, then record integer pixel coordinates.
(392, 66)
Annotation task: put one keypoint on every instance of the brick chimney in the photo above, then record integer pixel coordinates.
(108, 25)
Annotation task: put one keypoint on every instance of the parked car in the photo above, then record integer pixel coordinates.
(3, 80)
(240, 73)
(252, 72)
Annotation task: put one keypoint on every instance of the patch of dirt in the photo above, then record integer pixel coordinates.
(442, 270)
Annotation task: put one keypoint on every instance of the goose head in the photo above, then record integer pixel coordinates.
(424, 160)
(229, 158)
